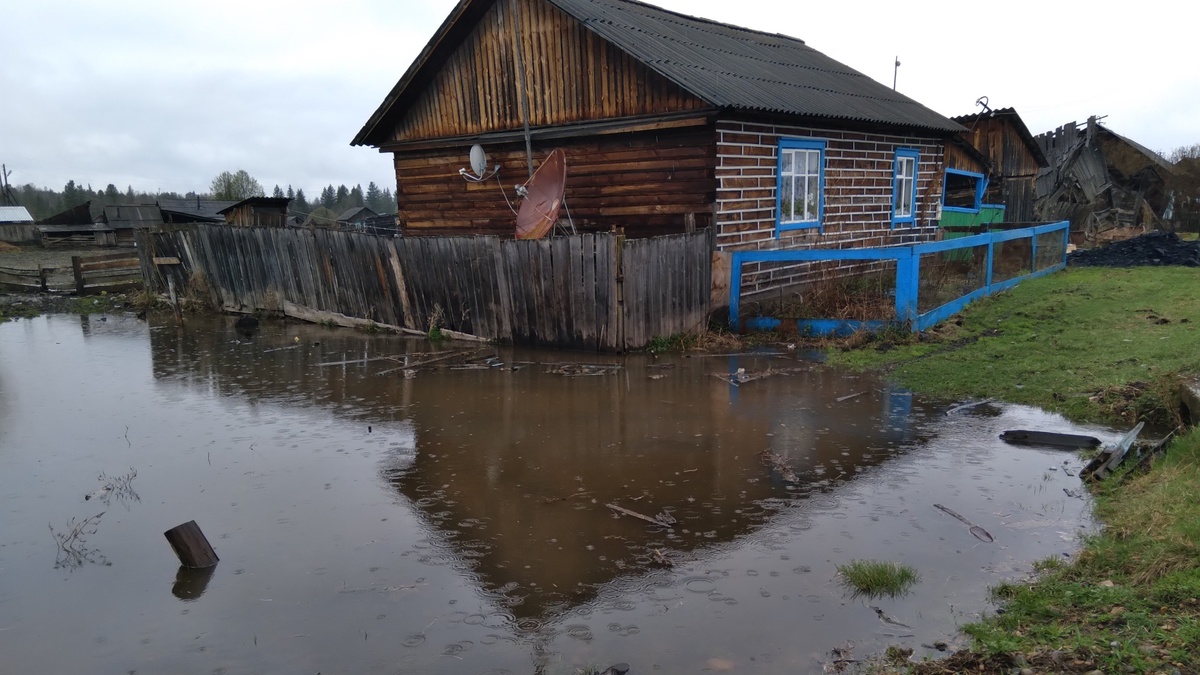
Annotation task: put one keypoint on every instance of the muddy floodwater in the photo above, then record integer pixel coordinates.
(454, 518)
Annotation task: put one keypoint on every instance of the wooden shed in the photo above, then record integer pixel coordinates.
(669, 122)
(257, 212)
(998, 145)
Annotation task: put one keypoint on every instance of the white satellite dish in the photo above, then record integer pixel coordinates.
(478, 160)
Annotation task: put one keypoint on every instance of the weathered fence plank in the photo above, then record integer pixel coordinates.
(591, 291)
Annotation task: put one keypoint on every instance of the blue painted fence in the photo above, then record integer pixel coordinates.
(908, 275)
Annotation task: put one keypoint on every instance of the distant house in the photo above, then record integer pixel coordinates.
(995, 164)
(257, 212)
(1101, 180)
(124, 219)
(355, 218)
(669, 122)
(195, 210)
(16, 225)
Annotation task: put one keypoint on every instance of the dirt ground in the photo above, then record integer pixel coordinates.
(33, 257)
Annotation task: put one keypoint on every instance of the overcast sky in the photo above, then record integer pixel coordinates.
(166, 94)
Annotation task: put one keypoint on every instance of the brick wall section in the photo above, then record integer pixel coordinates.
(858, 197)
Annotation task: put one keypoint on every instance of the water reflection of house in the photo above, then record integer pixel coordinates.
(513, 469)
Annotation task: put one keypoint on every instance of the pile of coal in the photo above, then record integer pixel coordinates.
(1155, 248)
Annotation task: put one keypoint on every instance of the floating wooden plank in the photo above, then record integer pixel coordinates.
(1050, 438)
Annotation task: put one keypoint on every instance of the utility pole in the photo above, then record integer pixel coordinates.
(7, 198)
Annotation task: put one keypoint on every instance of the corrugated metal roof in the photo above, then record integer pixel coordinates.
(15, 214)
(132, 215)
(732, 67)
(203, 209)
(727, 66)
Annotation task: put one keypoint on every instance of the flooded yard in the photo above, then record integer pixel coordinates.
(456, 518)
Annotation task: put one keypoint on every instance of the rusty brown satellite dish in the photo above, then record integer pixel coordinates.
(543, 198)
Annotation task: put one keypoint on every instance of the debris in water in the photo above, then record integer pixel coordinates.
(887, 619)
(1108, 460)
(1049, 438)
(842, 658)
(968, 406)
(663, 518)
(980, 533)
(779, 465)
(847, 397)
(616, 669)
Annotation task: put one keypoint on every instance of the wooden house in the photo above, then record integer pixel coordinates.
(669, 122)
(121, 221)
(355, 218)
(998, 155)
(257, 212)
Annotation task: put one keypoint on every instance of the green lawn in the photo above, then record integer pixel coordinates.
(1094, 344)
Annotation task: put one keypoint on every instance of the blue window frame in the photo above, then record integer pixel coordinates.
(904, 187)
(800, 193)
(963, 191)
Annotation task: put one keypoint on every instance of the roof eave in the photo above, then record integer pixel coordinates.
(368, 134)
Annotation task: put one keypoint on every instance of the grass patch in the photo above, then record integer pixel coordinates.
(1090, 343)
(22, 311)
(875, 578)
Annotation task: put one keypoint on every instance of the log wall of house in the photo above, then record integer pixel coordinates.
(859, 171)
(644, 182)
(571, 75)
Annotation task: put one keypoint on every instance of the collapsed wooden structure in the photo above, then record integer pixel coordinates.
(1101, 181)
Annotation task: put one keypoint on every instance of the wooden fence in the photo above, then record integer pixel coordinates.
(596, 292)
(112, 273)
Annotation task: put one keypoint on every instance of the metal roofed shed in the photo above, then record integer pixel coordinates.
(15, 214)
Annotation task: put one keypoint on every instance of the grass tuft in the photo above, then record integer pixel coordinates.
(875, 578)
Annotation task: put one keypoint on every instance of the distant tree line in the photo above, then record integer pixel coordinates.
(43, 202)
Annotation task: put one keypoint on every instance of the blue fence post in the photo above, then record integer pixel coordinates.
(1066, 242)
(735, 291)
(991, 259)
(907, 285)
(1033, 253)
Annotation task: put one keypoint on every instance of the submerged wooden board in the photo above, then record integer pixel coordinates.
(1050, 438)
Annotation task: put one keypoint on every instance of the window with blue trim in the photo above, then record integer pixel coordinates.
(963, 191)
(801, 194)
(904, 187)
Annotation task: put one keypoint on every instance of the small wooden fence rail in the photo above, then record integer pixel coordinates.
(16, 280)
(111, 273)
(597, 292)
(1039, 250)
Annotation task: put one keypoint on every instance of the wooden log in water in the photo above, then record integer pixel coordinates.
(191, 546)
